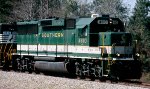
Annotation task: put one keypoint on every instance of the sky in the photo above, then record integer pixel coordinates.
(130, 4)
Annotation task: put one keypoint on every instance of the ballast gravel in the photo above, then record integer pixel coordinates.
(13, 80)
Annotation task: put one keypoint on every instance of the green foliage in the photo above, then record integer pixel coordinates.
(139, 25)
(5, 9)
(140, 13)
(146, 63)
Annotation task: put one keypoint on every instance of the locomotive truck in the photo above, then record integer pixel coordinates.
(85, 47)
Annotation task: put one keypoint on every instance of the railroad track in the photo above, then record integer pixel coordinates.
(135, 83)
(122, 82)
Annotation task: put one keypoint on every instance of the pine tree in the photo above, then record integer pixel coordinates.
(139, 25)
(5, 9)
(138, 21)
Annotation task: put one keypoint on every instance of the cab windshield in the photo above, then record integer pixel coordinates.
(121, 39)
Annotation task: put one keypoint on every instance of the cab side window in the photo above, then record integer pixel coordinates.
(82, 32)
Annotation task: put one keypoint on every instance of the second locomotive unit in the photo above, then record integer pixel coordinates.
(86, 47)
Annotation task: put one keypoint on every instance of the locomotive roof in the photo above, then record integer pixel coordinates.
(82, 22)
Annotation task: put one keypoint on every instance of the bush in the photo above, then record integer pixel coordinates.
(146, 65)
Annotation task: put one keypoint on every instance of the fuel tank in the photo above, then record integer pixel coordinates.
(45, 66)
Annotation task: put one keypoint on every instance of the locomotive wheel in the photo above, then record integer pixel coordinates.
(79, 70)
(14, 64)
(102, 78)
(92, 74)
(114, 79)
(18, 64)
(82, 76)
(36, 71)
(6, 65)
(29, 65)
(23, 67)
(30, 68)
(99, 73)
(92, 77)
(92, 71)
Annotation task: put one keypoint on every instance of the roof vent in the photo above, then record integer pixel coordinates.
(107, 16)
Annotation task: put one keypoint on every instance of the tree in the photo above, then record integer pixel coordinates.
(115, 8)
(41, 9)
(84, 9)
(77, 8)
(35, 9)
(137, 23)
(5, 9)
(22, 10)
(139, 26)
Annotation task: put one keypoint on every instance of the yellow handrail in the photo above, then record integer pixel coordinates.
(9, 52)
(4, 52)
(103, 43)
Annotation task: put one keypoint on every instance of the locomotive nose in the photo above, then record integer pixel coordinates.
(116, 44)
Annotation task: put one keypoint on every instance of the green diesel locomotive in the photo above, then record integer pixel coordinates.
(86, 47)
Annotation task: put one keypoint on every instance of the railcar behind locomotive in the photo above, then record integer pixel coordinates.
(86, 47)
(7, 43)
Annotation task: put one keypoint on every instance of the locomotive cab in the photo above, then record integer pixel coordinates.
(104, 24)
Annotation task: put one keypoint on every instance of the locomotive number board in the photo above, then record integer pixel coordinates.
(103, 21)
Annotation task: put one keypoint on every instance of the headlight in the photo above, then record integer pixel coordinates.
(137, 54)
(118, 54)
